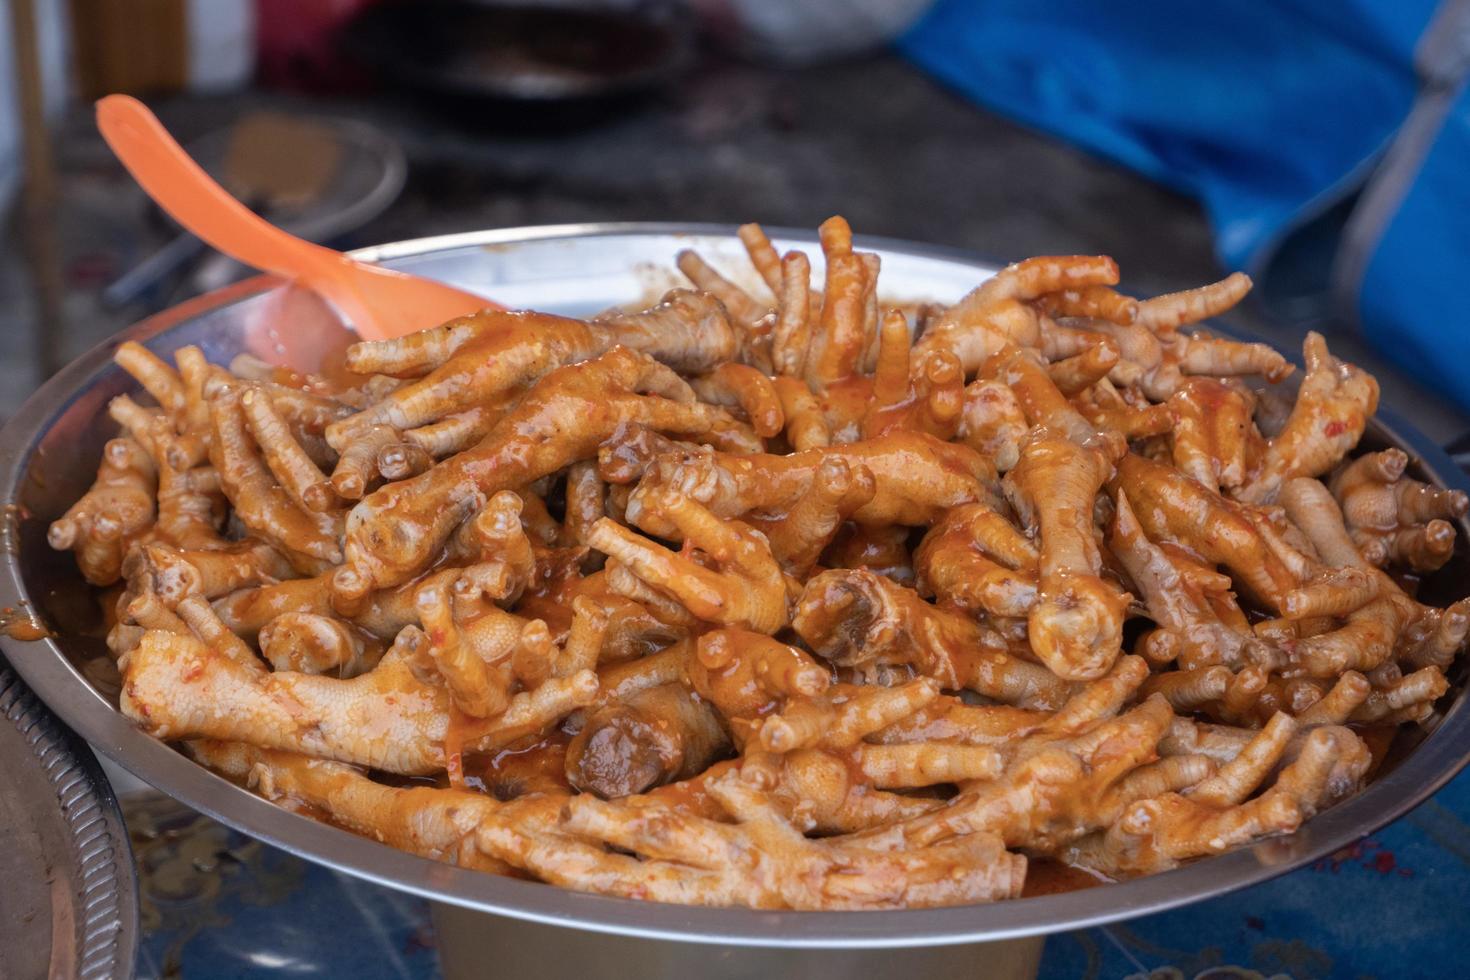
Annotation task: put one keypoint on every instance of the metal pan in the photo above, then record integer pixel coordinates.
(48, 455)
(526, 65)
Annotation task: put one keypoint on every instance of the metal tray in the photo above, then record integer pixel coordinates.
(70, 907)
(48, 456)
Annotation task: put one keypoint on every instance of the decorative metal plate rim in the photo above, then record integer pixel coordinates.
(106, 890)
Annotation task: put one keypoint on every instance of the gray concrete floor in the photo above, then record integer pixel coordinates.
(872, 139)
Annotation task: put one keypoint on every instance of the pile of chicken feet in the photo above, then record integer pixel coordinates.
(777, 597)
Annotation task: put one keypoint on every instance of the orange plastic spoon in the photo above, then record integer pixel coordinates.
(380, 303)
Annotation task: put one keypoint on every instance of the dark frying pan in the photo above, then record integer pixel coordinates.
(507, 61)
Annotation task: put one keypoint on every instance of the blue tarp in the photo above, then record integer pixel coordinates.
(1268, 113)
(1411, 296)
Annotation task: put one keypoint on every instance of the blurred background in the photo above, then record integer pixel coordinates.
(1321, 147)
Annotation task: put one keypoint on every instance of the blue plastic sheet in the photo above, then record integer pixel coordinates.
(1411, 299)
(1269, 113)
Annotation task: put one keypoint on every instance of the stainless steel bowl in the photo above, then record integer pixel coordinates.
(48, 455)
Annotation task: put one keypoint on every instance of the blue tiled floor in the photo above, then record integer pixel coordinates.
(1398, 905)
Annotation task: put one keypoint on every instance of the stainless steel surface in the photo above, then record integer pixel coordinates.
(70, 905)
(48, 455)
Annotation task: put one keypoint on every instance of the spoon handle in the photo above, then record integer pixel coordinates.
(193, 198)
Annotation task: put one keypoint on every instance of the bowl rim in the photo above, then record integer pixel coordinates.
(43, 665)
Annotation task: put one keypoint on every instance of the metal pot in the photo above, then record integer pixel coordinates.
(48, 455)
